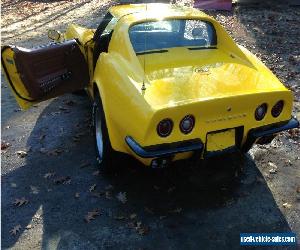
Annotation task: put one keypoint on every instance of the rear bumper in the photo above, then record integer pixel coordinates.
(197, 146)
(163, 150)
(267, 131)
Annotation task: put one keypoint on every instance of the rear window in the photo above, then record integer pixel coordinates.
(156, 35)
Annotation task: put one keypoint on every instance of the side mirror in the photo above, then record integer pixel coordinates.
(54, 35)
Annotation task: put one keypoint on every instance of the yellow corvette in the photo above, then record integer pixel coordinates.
(167, 83)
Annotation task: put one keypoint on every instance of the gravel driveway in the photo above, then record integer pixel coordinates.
(188, 206)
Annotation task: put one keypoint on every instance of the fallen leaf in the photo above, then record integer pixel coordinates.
(34, 189)
(77, 195)
(21, 153)
(294, 132)
(109, 187)
(108, 195)
(84, 164)
(132, 216)
(287, 205)
(13, 184)
(98, 160)
(55, 152)
(43, 150)
(272, 165)
(49, 175)
(4, 145)
(119, 217)
(67, 182)
(62, 180)
(37, 216)
(176, 210)
(273, 171)
(92, 188)
(76, 139)
(270, 177)
(171, 189)
(288, 162)
(231, 201)
(96, 172)
(62, 108)
(92, 215)
(141, 229)
(148, 210)
(42, 137)
(15, 230)
(79, 134)
(122, 197)
(55, 113)
(20, 202)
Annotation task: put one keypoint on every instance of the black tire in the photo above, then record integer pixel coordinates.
(106, 156)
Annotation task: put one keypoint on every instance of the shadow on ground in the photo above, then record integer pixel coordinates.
(187, 206)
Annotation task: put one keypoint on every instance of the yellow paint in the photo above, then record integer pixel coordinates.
(9, 63)
(184, 76)
(205, 83)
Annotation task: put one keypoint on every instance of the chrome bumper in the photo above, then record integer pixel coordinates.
(197, 146)
(163, 150)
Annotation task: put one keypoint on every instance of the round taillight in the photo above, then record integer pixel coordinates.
(261, 111)
(164, 127)
(277, 109)
(187, 124)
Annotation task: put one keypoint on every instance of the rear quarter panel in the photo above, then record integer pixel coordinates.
(126, 111)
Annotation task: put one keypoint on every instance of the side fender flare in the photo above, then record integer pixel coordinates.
(97, 88)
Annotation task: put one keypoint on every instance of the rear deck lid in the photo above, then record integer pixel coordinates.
(212, 74)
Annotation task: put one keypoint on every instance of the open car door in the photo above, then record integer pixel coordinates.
(41, 73)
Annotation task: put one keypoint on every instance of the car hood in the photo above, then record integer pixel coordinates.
(185, 84)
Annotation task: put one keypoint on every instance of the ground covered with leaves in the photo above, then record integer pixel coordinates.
(54, 197)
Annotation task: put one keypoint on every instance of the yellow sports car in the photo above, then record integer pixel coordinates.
(167, 83)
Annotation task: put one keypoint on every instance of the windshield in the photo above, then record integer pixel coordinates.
(157, 35)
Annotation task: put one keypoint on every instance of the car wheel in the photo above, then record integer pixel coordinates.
(105, 154)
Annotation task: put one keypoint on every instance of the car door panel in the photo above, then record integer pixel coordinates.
(39, 74)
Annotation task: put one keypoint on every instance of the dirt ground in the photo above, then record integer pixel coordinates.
(188, 206)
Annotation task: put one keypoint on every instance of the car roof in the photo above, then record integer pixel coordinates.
(156, 10)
